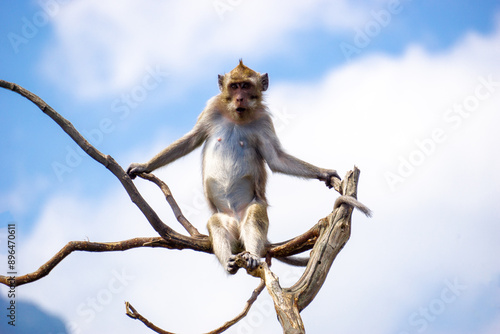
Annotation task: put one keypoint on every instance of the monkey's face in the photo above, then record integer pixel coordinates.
(244, 97)
(241, 92)
(241, 99)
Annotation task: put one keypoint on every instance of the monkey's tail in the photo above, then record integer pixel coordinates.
(349, 200)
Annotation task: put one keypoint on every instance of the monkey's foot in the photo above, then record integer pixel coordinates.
(232, 267)
(250, 262)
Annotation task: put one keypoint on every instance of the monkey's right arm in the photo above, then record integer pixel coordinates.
(176, 150)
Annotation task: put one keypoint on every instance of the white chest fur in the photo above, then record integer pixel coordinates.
(228, 157)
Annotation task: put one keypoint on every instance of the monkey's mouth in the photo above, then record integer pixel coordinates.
(240, 110)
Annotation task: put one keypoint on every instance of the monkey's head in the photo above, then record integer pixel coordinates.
(241, 91)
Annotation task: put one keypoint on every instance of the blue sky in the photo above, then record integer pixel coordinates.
(406, 90)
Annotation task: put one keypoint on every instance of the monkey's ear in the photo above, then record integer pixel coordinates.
(221, 82)
(264, 81)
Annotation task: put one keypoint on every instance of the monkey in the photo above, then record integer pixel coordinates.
(239, 139)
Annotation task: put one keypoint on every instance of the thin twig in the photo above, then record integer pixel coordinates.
(173, 204)
(132, 312)
(256, 292)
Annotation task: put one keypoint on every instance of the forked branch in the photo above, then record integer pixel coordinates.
(173, 204)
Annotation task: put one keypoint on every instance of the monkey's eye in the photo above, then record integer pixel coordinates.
(245, 85)
(233, 86)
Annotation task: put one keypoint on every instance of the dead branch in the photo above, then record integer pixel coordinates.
(132, 313)
(297, 245)
(284, 304)
(329, 244)
(256, 292)
(85, 246)
(173, 204)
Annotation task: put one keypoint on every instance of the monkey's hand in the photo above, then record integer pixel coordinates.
(135, 169)
(327, 176)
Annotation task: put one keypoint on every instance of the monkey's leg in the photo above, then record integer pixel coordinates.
(224, 235)
(254, 232)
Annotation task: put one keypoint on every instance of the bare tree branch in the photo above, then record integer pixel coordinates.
(298, 244)
(173, 204)
(284, 251)
(85, 246)
(285, 303)
(256, 292)
(329, 244)
(132, 312)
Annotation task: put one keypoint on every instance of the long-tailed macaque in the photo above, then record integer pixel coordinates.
(239, 138)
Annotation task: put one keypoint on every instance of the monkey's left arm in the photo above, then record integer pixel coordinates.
(282, 162)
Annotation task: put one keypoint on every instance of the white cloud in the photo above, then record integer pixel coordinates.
(104, 47)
